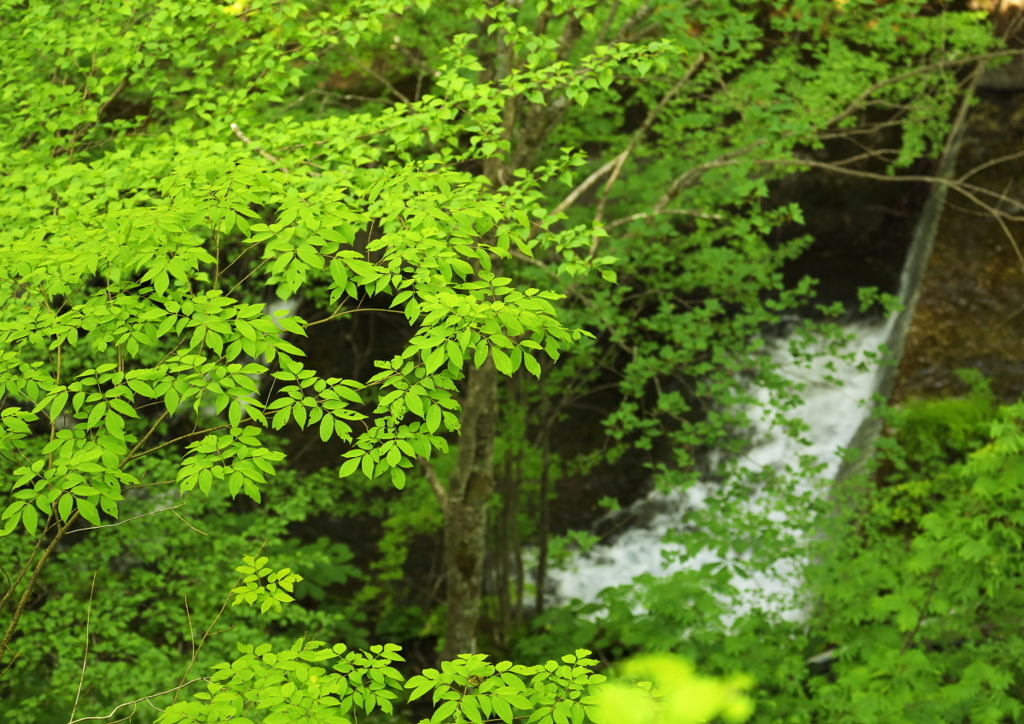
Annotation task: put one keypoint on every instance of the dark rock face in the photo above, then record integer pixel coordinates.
(1009, 77)
(862, 233)
(862, 228)
(971, 309)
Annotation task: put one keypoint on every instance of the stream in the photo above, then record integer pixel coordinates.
(833, 413)
(963, 307)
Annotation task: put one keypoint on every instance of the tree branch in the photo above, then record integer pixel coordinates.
(136, 701)
(855, 104)
(590, 181)
(607, 25)
(85, 654)
(13, 625)
(435, 484)
(635, 139)
(248, 142)
(643, 12)
(644, 215)
(387, 84)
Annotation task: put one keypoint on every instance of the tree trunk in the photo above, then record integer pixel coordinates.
(465, 515)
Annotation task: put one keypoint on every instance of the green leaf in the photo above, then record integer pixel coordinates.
(235, 413)
(281, 418)
(30, 519)
(532, 366)
(299, 413)
(502, 709)
(308, 254)
(57, 406)
(435, 360)
(65, 504)
(171, 400)
(412, 310)
(480, 354)
(326, 427)
(420, 690)
(470, 709)
(348, 467)
(454, 352)
(88, 510)
(501, 361)
(433, 420)
(444, 711)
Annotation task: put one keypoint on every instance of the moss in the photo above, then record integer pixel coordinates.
(941, 428)
(927, 440)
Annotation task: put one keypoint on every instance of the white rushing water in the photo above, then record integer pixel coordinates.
(833, 413)
(271, 309)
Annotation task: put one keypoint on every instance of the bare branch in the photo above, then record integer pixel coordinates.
(435, 484)
(683, 180)
(128, 520)
(528, 259)
(643, 12)
(855, 104)
(270, 157)
(113, 96)
(387, 84)
(185, 521)
(683, 212)
(17, 582)
(353, 311)
(571, 32)
(85, 655)
(16, 617)
(246, 140)
(990, 163)
(131, 456)
(136, 701)
(968, 190)
(590, 181)
(621, 159)
(607, 24)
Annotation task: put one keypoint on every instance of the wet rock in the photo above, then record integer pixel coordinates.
(971, 309)
(1009, 77)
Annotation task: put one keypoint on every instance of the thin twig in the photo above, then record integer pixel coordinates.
(387, 84)
(643, 12)
(136, 701)
(24, 569)
(128, 520)
(248, 142)
(920, 617)
(85, 655)
(590, 181)
(353, 311)
(989, 163)
(191, 632)
(185, 521)
(644, 215)
(621, 159)
(607, 25)
(182, 437)
(196, 650)
(959, 187)
(23, 601)
(435, 484)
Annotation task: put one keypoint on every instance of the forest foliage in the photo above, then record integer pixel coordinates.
(419, 238)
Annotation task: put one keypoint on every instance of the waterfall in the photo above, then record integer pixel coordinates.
(834, 412)
(839, 416)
